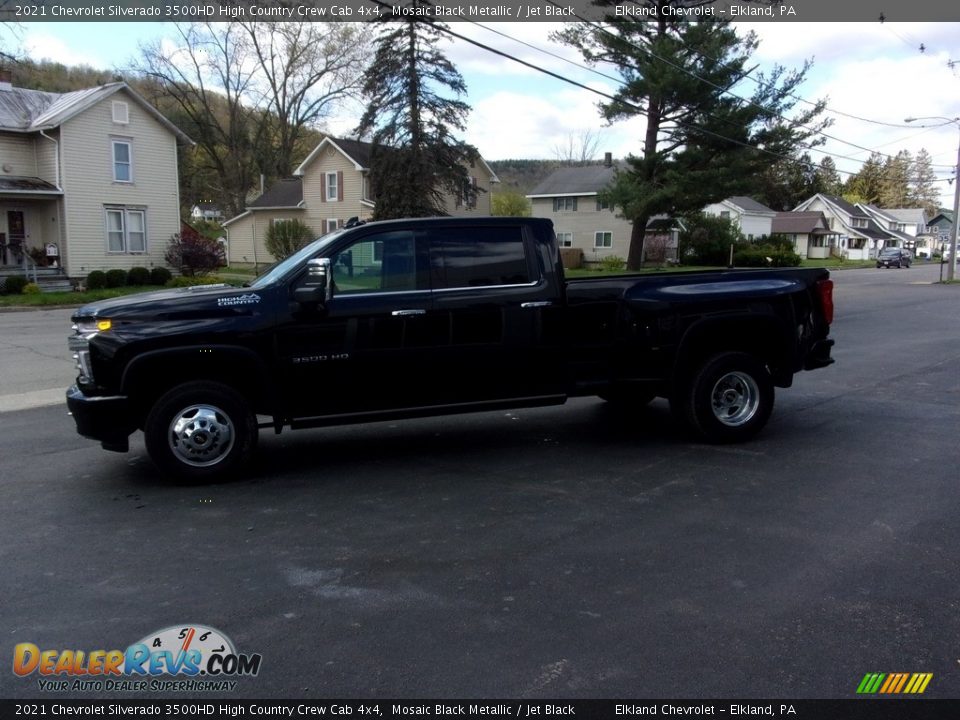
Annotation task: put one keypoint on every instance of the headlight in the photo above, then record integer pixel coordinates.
(79, 343)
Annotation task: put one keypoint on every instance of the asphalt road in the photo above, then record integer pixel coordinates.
(563, 552)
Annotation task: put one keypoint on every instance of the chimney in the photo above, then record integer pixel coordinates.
(6, 80)
(608, 159)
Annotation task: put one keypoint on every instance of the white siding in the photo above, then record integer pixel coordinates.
(88, 185)
(17, 152)
(47, 156)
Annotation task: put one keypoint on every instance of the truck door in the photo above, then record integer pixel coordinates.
(367, 350)
(488, 287)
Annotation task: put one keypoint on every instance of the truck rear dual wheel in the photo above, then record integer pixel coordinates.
(200, 431)
(729, 398)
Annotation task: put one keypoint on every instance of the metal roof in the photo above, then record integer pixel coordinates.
(23, 110)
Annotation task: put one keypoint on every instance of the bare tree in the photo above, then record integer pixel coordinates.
(248, 93)
(208, 79)
(580, 148)
(306, 70)
(9, 34)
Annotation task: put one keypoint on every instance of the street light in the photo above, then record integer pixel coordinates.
(956, 195)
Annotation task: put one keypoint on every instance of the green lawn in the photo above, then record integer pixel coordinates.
(71, 298)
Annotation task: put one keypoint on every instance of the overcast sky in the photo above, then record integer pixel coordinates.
(873, 71)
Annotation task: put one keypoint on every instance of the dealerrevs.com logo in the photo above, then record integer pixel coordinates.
(183, 658)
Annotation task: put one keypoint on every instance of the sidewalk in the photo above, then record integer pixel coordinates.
(37, 367)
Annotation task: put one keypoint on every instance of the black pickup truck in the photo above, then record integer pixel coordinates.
(424, 317)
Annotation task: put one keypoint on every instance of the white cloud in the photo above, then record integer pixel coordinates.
(514, 125)
(42, 46)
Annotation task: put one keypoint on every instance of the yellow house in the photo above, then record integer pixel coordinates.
(331, 186)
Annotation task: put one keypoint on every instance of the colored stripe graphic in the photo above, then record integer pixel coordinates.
(894, 683)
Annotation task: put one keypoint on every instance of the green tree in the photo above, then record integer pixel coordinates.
(895, 187)
(784, 184)
(826, 178)
(509, 204)
(416, 159)
(702, 143)
(707, 239)
(923, 188)
(867, 183)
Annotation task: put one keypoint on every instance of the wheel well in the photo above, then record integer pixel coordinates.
(149, 378)
(764, 338)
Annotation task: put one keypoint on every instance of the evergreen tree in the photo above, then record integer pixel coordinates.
(702, 144)
(923, 188)
(895, 187)
(826, 177)
(415, 157)
(868, 182)
(787, 183)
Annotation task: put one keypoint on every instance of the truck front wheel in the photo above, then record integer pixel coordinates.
(200, 431)
(729, 398)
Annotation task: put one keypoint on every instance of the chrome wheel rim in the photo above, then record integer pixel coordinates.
(201, 435)
(735, 399)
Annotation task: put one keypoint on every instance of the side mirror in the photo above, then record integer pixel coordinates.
(317, 287)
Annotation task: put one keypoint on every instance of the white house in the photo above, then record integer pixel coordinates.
(86, 177)
(754, 219)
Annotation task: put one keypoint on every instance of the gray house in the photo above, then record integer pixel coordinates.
(569, 197)
(88, 179)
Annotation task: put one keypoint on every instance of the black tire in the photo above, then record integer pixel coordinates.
(201, 431)
(729, 398)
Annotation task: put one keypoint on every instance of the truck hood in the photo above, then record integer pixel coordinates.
(201, 301)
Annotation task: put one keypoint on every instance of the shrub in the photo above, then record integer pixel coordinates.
(284, 238)
(116, 278)
(160, 276)
(97, 280)
(138, 276)
(707, 240)
(31, 289)
(192, 253)
(613, 263)
(14, 285)
(188, 281)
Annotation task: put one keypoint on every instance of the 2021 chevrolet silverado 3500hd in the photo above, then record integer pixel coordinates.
(424, 317)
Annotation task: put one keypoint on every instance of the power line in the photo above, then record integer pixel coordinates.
(723, 90)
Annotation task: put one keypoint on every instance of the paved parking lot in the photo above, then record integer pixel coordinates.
(563, 552)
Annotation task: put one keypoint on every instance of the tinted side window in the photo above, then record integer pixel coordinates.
(385, 262)
(478, 257)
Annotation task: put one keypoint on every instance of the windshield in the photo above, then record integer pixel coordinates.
(281, 268)
(890, 251)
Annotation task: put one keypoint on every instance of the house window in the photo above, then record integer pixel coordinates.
(126, 230)
(565, 239)
(602, 205)
(603, 240)
(121, 112)
(725, 214)
(468, 197)
(122, 161)
(332, 224)
(564, 204)
(332, 187)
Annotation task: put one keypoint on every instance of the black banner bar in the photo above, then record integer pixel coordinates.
(472, 10)
(853, 709)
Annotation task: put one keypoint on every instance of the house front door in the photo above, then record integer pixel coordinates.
(16, 237)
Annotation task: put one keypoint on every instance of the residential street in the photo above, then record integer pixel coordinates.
(565, 552)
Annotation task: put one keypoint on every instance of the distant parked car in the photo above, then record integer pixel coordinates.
(894, 257)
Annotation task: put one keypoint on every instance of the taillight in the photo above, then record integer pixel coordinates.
(825, 291)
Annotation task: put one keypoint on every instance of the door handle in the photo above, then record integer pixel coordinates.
(406, 313)
(537, 304)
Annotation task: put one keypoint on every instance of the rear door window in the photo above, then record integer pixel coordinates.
(472, 257)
